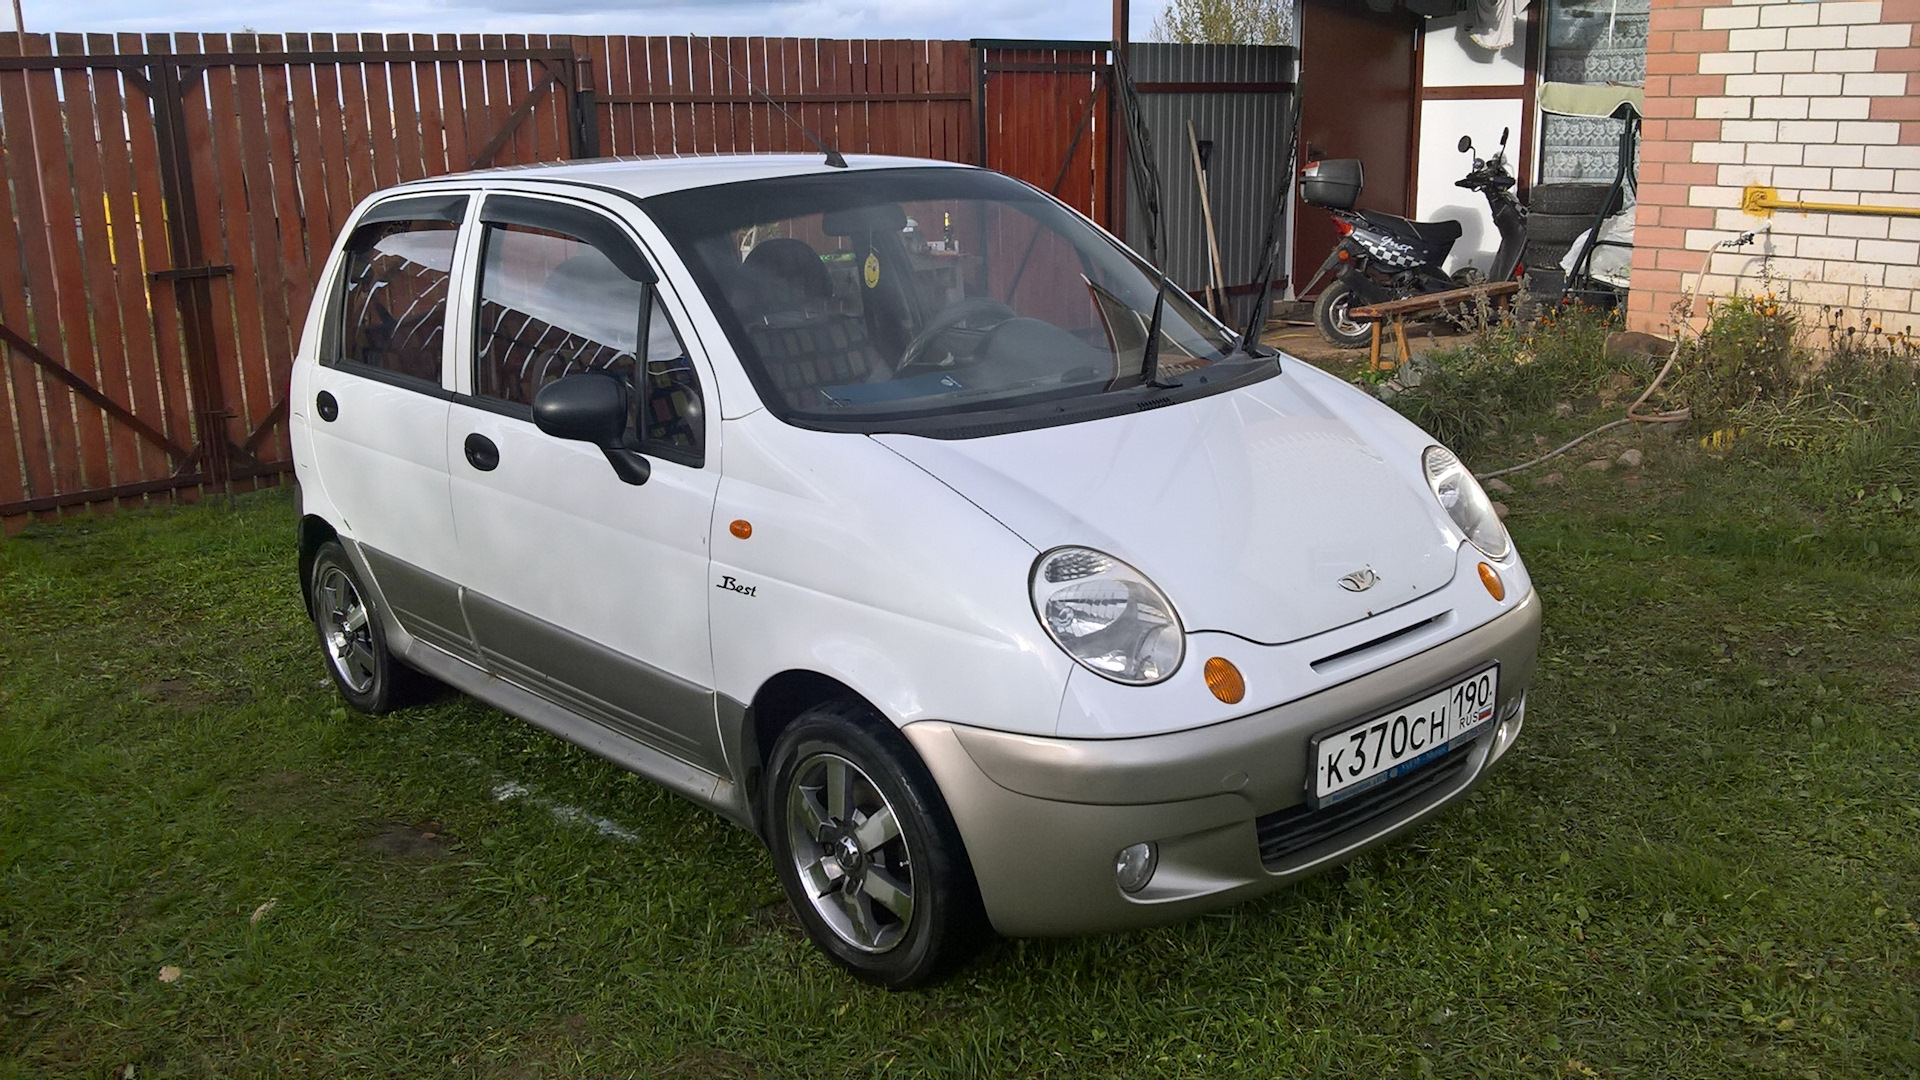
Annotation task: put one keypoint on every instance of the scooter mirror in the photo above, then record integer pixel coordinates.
(1503, 137)
(1466, 144)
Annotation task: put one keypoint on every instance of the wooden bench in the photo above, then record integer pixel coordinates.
(1396, 310)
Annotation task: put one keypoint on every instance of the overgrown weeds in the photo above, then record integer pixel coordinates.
(1515, 368)
(1833, 401)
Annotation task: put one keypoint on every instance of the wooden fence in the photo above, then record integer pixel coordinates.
(174, 196)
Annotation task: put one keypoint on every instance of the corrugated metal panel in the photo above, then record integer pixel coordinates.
(1248, 131)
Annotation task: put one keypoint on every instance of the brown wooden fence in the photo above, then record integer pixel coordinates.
(175, 195)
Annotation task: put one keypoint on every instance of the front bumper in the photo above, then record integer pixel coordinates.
(1043, 818)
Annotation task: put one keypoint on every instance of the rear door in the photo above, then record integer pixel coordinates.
(581, 587)
(380, 395)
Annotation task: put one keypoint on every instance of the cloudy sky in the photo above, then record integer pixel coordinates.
(784, 18)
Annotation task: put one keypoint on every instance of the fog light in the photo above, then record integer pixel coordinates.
(1491, 579)
(1134, 866)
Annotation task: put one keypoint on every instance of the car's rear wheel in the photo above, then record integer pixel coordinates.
(351, 638)
(868, 854)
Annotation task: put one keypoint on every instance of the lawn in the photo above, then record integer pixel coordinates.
(1702, 859)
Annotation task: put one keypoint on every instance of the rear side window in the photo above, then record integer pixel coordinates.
(391, 310)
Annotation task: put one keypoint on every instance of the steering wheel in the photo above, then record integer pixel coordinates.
(946, 319)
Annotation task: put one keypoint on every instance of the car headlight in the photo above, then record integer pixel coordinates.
(1107, 615)
(1465, 502)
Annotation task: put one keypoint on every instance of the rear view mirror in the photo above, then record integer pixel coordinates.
(1504, 132)
(592, 408)
(1466, 144)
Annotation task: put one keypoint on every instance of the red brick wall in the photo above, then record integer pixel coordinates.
(1807, 98)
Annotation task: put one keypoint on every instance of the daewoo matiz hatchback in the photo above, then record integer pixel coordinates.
(905, 518)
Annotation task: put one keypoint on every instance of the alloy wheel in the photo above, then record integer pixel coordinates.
(850, 854)
(345, 629)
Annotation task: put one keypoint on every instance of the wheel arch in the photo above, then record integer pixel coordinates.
(780, 700)
(314, 531)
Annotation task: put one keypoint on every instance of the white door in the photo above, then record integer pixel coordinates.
(582, 587)
(379, 408)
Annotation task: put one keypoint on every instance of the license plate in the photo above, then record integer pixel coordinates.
(1353, 759)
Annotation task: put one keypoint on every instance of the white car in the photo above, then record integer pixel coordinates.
(905, 518)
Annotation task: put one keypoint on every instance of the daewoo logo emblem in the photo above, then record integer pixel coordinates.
(1360, 580)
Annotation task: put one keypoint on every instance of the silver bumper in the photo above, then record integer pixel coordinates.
(1043, 818)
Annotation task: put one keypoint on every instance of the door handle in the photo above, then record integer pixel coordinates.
(481, 453)
(327, 406)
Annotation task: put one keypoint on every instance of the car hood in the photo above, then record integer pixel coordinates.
(1247, 508)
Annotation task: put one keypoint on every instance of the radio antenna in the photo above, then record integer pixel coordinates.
(834, 160)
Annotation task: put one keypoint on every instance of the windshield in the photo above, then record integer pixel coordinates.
(913, 299)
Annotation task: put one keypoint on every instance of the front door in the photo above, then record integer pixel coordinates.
(1356, 101)
(581, 587)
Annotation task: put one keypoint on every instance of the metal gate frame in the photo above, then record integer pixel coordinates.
(989, 60)
(167, 79)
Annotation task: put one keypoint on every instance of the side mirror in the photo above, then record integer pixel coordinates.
(1466, 144)
(1504, 132)
(592, 408)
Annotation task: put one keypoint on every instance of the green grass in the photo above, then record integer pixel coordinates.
(1702, 859)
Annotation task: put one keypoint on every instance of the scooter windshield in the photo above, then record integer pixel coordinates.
(938, 301)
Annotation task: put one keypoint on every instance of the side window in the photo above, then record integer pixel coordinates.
(671, 421)
(391, 311)
(563, 292)
(551, 305)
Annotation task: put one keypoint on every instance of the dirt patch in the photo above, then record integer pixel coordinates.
(179, 693)
(401, 841)
(1306, 343)
(711, 1064)
(553, 1042)
(283, 792)
(776, 919)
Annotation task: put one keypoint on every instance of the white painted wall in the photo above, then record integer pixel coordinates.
(1452, 59)
(1440, 163)
(1449, 58)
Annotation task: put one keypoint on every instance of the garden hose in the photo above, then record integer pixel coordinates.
(1634, 415)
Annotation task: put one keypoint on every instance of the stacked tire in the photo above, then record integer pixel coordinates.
(1556, 216)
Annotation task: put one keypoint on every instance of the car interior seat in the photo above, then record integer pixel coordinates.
(802, 343)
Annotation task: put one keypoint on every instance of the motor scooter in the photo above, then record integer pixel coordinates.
(1382, 257)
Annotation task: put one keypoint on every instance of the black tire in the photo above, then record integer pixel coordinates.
(1548, 282)
(1338, 327)
(1556, 228)
(1467, 276)
(351, 637)
(1580, 200)
(1539, 256)
(851, 897)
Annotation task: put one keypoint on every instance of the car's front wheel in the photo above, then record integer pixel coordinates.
(868, 854)
(355, 645)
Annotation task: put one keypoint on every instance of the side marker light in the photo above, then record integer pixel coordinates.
(1225, 680)
(741, 528)
(1491, 579)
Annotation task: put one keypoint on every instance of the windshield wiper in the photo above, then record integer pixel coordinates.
(1150, 356)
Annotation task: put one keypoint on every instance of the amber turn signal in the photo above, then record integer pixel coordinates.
(1225, 681)
(1491, 579)
(741, 528)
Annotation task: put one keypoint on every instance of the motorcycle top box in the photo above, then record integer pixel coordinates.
(1334, 183)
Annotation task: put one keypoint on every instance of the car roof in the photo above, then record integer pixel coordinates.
(642, 177)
